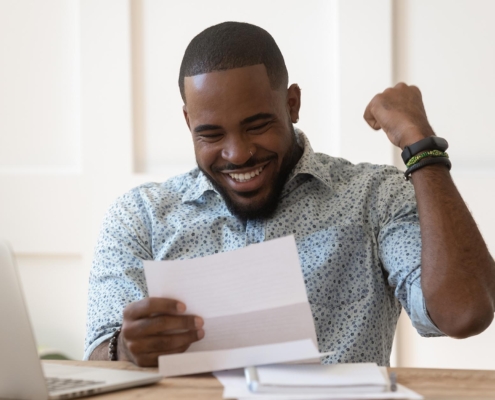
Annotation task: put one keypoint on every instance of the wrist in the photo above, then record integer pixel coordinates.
(414, 137)
(115, 346)
(413, 133)
(122, 349)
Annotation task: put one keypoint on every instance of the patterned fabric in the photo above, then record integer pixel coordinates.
(356, 229)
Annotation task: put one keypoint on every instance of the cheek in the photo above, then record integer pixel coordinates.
(205, 155)
(278, 143)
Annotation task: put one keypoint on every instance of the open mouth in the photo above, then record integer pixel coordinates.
(246, 176)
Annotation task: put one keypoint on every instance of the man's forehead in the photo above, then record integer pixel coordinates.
(221, 82)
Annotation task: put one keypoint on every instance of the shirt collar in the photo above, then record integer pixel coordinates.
(308, 164)
(199, 186)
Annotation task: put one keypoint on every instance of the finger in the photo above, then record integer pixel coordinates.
(151, 359)
(161, 325)
(153, 305)
(163, 343)
(417, 90)
(369, 117)
(400, 85)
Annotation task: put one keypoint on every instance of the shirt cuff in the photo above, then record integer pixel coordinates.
(95, 344)
(418, 313)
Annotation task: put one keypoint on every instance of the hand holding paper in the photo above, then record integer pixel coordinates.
(154, 326)
(252, 297)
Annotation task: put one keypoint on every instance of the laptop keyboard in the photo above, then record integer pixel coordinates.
(55, 384)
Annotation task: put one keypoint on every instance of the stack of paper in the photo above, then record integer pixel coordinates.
(253, 301)
(312, 382)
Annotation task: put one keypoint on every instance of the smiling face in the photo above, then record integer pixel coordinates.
(243, 136)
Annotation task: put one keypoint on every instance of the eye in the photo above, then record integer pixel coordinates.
(259, 127)
(211, 137)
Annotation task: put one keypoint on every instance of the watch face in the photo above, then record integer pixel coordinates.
(440, 143)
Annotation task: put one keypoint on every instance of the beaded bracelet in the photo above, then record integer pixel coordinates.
(112, 346)
(428, 161)
(430, 153)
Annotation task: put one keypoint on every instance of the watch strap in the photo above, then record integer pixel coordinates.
(429, 143)
(427, 161)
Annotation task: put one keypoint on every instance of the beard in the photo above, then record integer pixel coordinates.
(266, 207)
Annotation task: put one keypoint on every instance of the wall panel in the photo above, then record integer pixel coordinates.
(364, 62)
(39, 70)
(43, 214)
(447, 49)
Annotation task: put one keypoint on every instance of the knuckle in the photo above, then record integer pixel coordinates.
(388, 92)
(376, 99)
(128, 311)
(373, 109)
(133, 347)
(125, 330)
(147, 302)
(164, 323)
(415, 88)
(129, 330)
(166, 341)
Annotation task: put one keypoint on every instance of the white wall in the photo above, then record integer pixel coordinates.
(89, 107)
(447, 49)
(41, 203)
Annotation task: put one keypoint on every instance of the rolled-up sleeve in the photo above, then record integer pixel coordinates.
(399, 242)
(117, 276)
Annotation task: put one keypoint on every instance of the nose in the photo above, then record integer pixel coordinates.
(237, 150)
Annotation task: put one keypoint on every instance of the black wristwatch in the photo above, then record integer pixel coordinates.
(429, 143)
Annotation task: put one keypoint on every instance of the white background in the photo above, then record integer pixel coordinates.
(90, 107)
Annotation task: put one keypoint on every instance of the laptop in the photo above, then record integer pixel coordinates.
(23, 375)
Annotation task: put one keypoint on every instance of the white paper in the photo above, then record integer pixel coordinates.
(248, 298)
(257, 277)
(361, 374)
(235, 387)
(206, 361)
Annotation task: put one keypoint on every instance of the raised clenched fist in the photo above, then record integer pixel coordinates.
(400, 112)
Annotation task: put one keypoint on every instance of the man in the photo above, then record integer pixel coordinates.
(368, 241)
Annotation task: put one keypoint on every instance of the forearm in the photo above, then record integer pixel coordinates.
(458, 273)
(100, 353)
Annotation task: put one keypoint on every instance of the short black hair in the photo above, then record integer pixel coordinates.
(233, 45)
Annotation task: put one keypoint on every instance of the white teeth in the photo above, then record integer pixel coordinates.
(243, 177)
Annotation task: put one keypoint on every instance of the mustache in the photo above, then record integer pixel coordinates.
(248, 164)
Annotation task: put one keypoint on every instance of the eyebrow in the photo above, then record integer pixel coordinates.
(245, 121)
(256, 117)
(206, 127)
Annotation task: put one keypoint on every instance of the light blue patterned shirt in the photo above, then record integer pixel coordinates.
(356, 229)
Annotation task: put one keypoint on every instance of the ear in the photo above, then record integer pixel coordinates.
(186, 116)
(294, 102)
